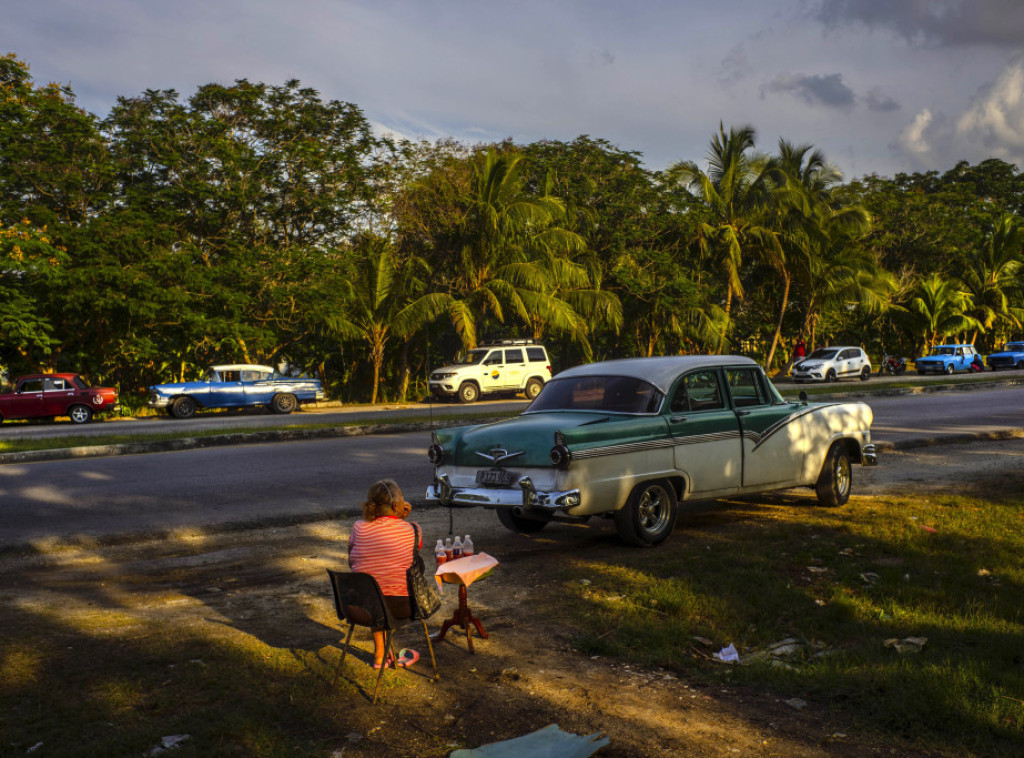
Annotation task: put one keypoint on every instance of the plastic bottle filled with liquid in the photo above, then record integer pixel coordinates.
(467, 547)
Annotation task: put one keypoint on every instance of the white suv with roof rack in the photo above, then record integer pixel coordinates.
(501, 366)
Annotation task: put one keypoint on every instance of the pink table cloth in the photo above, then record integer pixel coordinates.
(465, 571)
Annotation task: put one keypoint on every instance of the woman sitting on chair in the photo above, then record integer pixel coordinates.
(381, 545)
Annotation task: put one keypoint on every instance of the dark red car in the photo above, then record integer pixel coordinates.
(37, 395)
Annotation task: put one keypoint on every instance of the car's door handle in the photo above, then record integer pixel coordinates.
(677, 419)
(742, 413)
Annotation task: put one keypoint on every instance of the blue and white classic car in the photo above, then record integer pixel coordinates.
(1012, 356)
(629, 439)
(236, 385)
(945, 359)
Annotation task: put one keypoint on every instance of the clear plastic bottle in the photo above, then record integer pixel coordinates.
(467, 547)
(457, 548)
(439, 554)
(448, 548)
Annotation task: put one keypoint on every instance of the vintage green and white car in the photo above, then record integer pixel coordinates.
(629, 439)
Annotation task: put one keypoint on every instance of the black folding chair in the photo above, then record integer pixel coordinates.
(359, 602)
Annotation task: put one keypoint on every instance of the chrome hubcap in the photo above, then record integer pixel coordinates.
(843, 475)
(652, 510)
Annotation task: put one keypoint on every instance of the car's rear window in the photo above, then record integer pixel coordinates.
(613, 394)
(536, 355)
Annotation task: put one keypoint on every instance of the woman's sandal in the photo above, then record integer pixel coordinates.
(407, 656)
(386, 662)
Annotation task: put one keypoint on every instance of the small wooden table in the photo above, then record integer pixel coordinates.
(464, 571)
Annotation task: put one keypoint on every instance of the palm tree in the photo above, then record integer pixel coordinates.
(939, 308)
(513, 261)
(736, 189)
(991, 278)
(813, 219)
(382, 301)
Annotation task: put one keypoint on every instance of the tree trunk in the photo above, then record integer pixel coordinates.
(778, 326)
(725, 325)
(403, 371)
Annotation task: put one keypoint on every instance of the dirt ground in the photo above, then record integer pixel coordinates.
(270, 583)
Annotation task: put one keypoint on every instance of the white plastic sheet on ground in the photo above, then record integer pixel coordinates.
(549, 742)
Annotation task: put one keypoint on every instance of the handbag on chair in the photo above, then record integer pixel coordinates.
(423, 597)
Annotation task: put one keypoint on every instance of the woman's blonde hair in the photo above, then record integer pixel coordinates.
(382, 500)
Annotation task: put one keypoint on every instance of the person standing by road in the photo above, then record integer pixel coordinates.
(381, 545)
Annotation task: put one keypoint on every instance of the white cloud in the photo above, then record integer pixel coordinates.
(992, 126)
(913, 139)
(995, 121)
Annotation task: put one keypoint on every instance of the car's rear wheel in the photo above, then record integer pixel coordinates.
(468, 392)
(284, 403)
(183, 407)
(80, 414)
(836, 478)
(649, 516)
(865, 374)
(533, 388)
(830, 376)
(520, 524)
(949, 368)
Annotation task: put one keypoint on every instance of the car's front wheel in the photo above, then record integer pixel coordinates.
(468, 392)
(533, 388)
(184, 407)
(836, 478)
(80, 414)
(865, 373)
(284, 403)
(520, 524)
(949, 368)
(830, 376)
(1020, 365)
(649, 516)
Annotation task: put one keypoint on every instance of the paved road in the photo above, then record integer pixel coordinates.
(141, 493)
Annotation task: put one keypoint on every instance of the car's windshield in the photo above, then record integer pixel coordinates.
(613, 394)
(942, 351)
(823, 353)
(472, 358)
(1014, 347)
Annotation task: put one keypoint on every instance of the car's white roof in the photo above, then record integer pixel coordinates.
(836, 347)
(240, 367)
(659, 371)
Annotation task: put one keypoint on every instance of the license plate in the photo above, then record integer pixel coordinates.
(495, 476)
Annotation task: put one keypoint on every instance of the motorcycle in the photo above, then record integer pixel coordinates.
(893, 365)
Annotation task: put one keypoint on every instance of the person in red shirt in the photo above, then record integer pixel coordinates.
(381, 545)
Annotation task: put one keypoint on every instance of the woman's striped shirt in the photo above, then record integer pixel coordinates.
(383, 548)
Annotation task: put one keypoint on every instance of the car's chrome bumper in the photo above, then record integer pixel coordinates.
(525, 496)
(868, 455)
(158, 401)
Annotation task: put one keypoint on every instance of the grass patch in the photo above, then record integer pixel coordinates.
(839, 583)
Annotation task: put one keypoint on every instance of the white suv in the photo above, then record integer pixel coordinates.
(826, 364)
(507, 366)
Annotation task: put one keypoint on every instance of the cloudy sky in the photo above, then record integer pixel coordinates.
(880, 85)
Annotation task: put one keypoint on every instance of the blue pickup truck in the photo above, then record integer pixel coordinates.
(236, 385)
(1012, 356)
